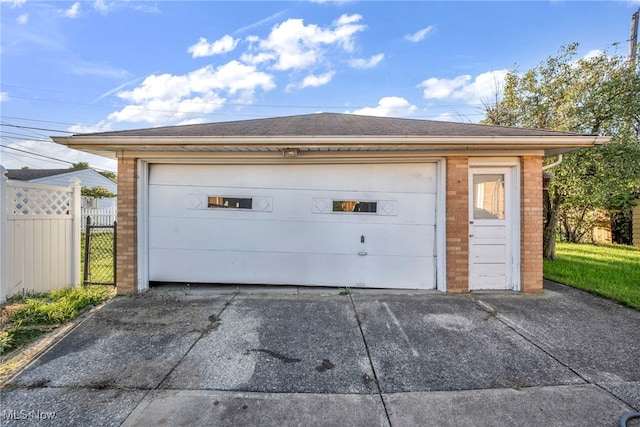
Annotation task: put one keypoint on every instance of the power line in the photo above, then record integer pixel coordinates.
(37, 120)
(22, 136)
(34, 154)
(27, 157)
(35, 128)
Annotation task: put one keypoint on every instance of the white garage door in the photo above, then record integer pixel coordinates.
(327, 225)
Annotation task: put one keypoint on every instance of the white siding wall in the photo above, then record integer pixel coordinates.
(89, 178)
(40, 237)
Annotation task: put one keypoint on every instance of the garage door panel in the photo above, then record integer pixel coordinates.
(294, 269)
(407, 177)
(267, 236)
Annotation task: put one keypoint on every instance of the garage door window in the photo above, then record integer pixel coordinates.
(354, 206)
(219, 202)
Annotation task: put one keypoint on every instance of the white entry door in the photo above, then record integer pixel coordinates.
(330, 225)
(491, 217)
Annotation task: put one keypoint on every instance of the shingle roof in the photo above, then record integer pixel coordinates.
(29, 174)
(332, 124)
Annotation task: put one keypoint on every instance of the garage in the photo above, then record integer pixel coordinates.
(331, 199)
(342, 225)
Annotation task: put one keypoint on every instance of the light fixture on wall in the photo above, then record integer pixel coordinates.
(290, 152)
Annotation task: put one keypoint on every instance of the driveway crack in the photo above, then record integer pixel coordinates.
(373, 368)
(493, 313)
(215, 321)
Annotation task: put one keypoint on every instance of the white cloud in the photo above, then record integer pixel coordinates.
(86, 68)
(23, 19)
(116, 89)
(593, 54)
(204, 48)
(102, 6)
(103, 126)
(446, 117)
(73, 11)
(15, 3)
(4, 96)
(436, 88)
(167, 98)
(313, 80)
(484, 86)
(390, 106)
(146, 8)
(418, 36)
(257, 58)
(297, 46)
(366, 63)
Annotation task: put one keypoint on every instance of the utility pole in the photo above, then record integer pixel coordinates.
(633, 38)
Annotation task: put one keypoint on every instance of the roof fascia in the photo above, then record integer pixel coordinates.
(125, 142)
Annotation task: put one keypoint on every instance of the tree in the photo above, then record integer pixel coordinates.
(79, 165)
(97, 192)
(108, 174)
(597, 95)
(85, 165)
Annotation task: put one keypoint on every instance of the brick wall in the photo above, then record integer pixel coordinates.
(531, 223)
(457, 224)
(127, 245)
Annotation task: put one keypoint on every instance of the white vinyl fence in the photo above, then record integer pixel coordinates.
(39, 236)
(104, 216)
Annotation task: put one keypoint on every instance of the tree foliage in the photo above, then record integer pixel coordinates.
(596, 95)
(110, 175)
(79, 165)
(97, 192)
(85, 165)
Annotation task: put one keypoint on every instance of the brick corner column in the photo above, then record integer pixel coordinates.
(531, 224)
(127, 231)
(457, 224)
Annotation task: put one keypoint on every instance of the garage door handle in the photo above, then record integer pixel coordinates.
(470, 235)
(362, 253)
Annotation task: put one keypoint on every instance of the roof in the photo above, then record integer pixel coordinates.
(30, 174)
(327, 132)
(332, 124)
(88, 177)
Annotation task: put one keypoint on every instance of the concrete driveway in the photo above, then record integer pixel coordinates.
(245, 356)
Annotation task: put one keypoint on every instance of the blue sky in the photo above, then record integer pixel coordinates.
(99, 65)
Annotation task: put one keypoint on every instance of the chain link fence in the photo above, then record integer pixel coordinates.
(99, 254)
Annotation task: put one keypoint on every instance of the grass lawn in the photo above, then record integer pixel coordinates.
(101, 257)
(612, 271)
(26, 317)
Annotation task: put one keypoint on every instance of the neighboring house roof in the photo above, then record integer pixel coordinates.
(31, 174)
(328, 131)
(88, 177)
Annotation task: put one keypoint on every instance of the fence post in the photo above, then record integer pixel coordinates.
(115, 252)
(76, 235)
(3, 234)
(87, 250)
